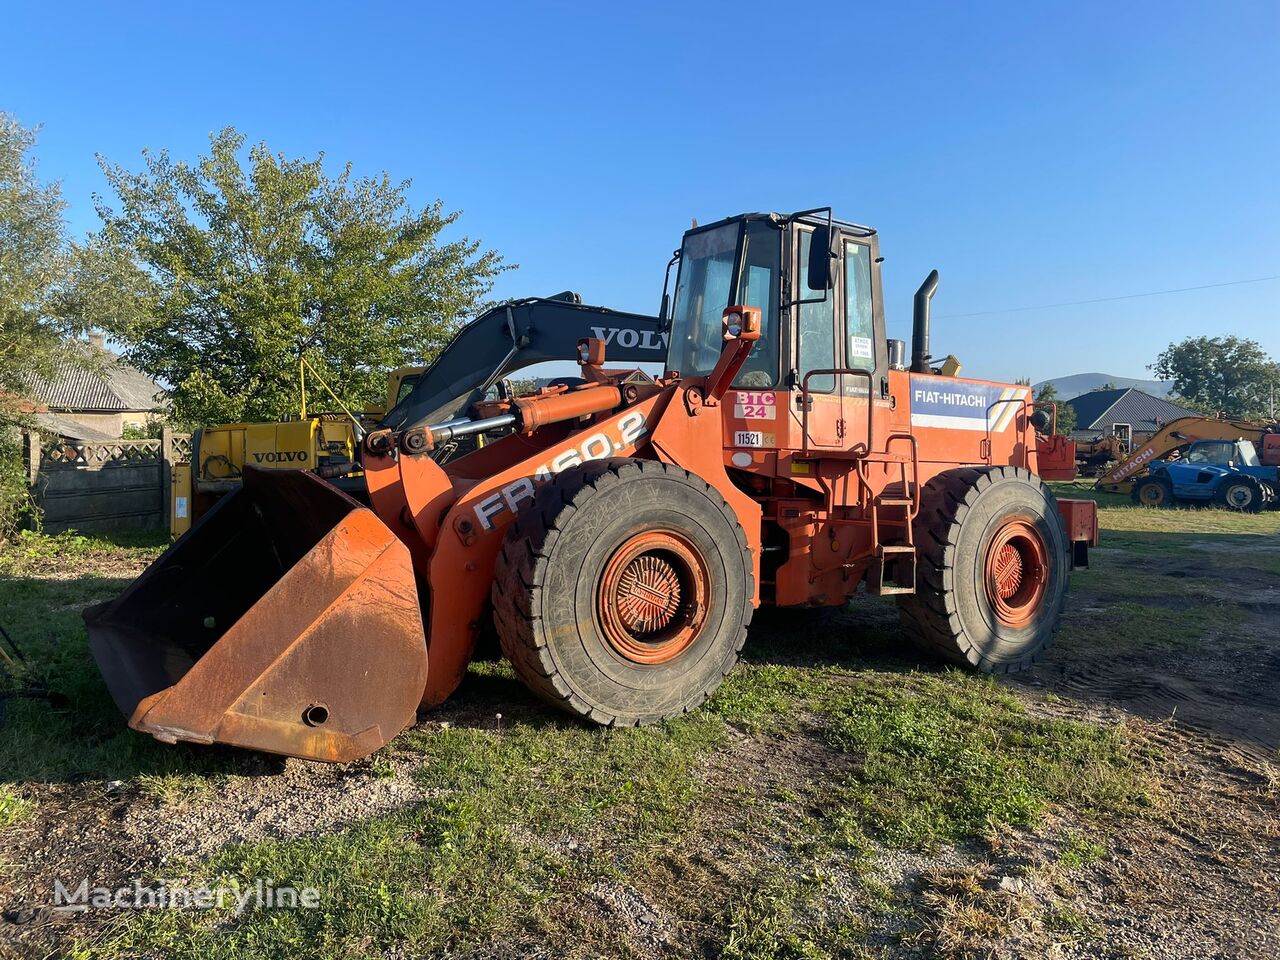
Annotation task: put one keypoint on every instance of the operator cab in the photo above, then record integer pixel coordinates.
(1223, 453)
(822, 318)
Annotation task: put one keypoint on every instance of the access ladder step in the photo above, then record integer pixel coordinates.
(894, 571)
(897, 548)
(894, 501)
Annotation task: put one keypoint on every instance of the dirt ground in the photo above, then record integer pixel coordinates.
(1189, 666)
(1228, 686)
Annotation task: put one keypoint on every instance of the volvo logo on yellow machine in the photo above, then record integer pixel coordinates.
(281, 456)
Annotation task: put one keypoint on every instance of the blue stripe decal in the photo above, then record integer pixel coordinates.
(938, 402)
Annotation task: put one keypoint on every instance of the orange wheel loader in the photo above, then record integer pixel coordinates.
(621, 535)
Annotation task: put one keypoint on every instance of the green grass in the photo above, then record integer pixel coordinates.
(782, 920)
(1132, 626)
(809, 759)
(29, 550)
(1154, 578)
(87, 737)
(13, 808)
(1118, 513)
(936, 756)
(1079, 851)
(519, 820)
(515, 820)
(45, 583)
(944, 757)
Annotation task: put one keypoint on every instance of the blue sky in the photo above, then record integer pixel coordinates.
(1034, 152)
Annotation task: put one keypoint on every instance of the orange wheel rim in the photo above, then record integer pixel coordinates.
(1016, 571)
(652, 599)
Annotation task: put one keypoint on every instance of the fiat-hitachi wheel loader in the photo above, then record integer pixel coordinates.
(621, 536)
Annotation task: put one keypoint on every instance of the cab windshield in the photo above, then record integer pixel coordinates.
(1224, 454)
(407, 385)
(702, 292)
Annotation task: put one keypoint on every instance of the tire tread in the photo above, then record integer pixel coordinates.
(522, 564)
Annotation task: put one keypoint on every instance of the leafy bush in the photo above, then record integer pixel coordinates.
(15, 499)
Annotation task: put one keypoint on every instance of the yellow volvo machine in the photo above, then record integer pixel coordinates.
(325, 444)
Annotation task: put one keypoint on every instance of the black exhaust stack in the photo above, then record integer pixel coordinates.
(920, 324)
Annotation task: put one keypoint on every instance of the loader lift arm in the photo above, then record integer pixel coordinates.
(516, 335)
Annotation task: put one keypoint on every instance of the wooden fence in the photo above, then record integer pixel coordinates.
(102, 486)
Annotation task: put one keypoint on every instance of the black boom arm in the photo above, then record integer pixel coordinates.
(517, 335)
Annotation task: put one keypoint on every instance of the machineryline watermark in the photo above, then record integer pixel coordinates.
(163, 895)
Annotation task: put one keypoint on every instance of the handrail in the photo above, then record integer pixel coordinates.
(1026, 420)
(911, 438)
(303, 366)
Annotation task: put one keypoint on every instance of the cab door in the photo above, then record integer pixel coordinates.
(816, 350)
(861, 339)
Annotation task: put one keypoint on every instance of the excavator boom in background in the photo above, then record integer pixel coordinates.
(619, 537)
(1180, 434)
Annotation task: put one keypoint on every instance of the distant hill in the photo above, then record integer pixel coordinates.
(1079, 383)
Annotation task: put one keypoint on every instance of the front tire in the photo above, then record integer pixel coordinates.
(1153, 492)
(992, 569)
(1244, 494)
(623, 594)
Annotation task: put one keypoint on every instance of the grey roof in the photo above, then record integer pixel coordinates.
(118, 388)
(1143, 412)
(54, 424)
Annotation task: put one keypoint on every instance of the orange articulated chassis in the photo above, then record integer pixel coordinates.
(831, 456)
(292, 619)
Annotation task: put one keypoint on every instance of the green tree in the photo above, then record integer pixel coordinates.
(1109, 385)
(1066, 413)
(1229, 375)
(34, 325)
(33, 263)
(220, 274)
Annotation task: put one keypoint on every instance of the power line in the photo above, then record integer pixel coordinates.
(1127, 296)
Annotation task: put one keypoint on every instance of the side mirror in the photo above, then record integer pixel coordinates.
(664, 309)
(820, 258)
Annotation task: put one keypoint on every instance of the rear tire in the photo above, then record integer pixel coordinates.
(623, 594)
(1153, 492)
(992, 569)
(1244, 494)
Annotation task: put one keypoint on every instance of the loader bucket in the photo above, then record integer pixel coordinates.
(286, 620)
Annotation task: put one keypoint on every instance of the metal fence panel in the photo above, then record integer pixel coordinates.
(101, 486)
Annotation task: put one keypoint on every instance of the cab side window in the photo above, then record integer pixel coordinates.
(860, 350)
(760, 287)
(816, 329)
